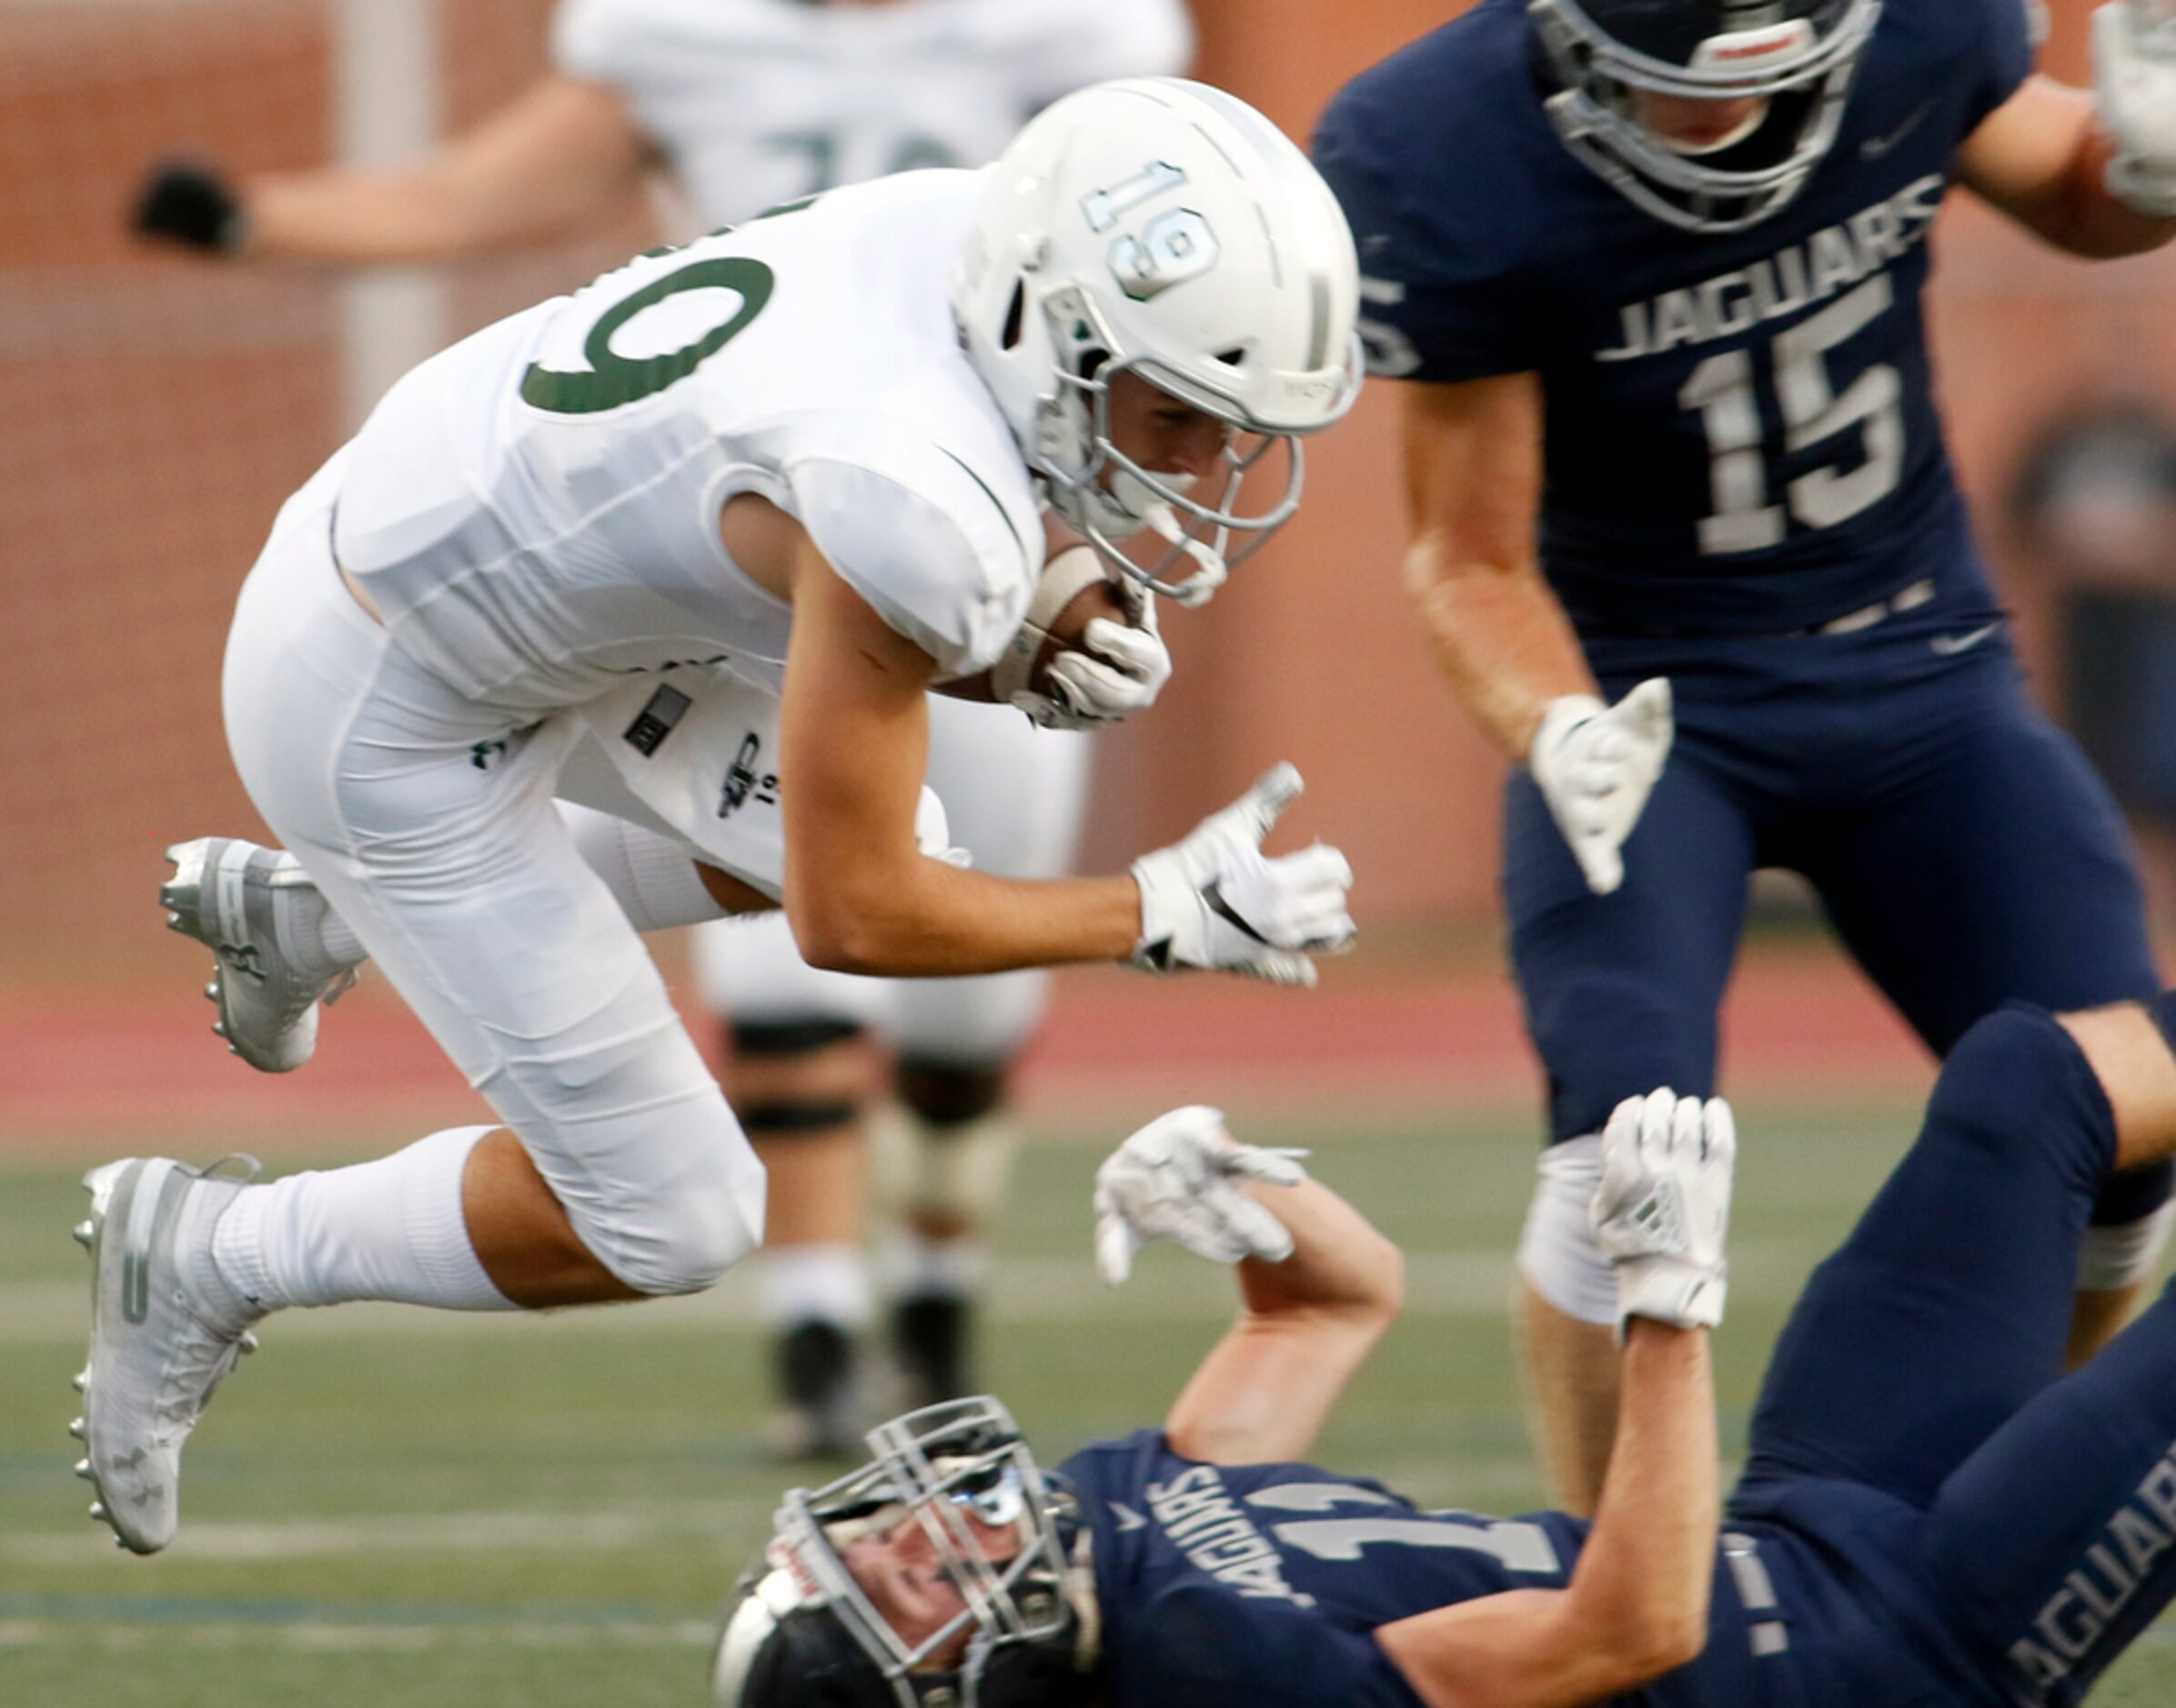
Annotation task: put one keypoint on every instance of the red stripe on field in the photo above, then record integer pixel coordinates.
(1115, 1043)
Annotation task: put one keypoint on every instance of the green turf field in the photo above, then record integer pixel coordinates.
(393, 1506)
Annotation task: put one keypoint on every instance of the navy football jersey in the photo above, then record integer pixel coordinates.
(1741, 435)
(1262, 1584)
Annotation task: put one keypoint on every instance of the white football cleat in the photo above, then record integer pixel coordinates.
(259, 911)
(159, 1344)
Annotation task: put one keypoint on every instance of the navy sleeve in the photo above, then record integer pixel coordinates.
(1441, 299)
(2009, 41)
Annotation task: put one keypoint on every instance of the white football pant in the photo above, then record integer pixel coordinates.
(427, 820)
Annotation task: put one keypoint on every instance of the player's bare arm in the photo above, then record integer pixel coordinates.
(1636, 1606)
(2093, 172)
(533, 170)
(860, 893)
(1473, 482)
(1306, 1325)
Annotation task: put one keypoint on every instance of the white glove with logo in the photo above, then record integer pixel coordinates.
(1177, 1178)
(1212, 900)
(1664, 1207)
(1596, 766)
(1128, 669)
(2134, 88)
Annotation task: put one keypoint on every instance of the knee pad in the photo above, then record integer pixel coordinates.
(1556, 1251)
(2018, 1078)
(2120, 1255)
(683, 1240)
(944, 1095)
(951, 1173)
(772, 1040)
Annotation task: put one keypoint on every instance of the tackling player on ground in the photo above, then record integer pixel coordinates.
(750, 103)
(771, 487)
(1930, 1512)
(1686, 545)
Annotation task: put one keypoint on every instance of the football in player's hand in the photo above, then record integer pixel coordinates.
(1099, 597)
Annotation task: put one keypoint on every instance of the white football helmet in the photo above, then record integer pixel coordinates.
(1165, 228)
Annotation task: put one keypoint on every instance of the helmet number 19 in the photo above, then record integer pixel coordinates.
(1721, 389)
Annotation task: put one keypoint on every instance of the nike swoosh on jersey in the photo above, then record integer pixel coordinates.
(1947, 645)
(1874, 147)
(1128, 1519)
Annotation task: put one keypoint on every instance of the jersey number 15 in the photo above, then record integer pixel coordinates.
(1721, 389)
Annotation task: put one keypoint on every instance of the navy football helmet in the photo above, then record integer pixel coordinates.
(803, 1633)
(1793, 57)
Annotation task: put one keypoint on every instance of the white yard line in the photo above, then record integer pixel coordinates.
(1471, 1283)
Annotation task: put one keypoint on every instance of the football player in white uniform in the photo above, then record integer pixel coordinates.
(807, 458)
(751, 103)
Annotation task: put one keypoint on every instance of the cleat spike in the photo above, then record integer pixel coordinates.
(83, 1231)
(173, 921)
(80, 1380)
(249, 1342)
(83, 1469)
(211, 992)
(99, 1512)
(76, 1430)
(218, 1029)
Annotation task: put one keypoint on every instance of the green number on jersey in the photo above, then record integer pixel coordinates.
(612, 379)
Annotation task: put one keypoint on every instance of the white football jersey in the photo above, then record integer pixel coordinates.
(758, 102)
(534, 511)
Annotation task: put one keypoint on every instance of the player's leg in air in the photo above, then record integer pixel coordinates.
(1916, 1413)
(434, 838)
(1997, 868)
(1620, 993)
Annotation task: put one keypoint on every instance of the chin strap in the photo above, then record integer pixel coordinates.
(1210, 569)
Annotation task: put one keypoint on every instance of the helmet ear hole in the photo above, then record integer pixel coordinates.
(1091, 362)
(1231, 358)
(1015, 313)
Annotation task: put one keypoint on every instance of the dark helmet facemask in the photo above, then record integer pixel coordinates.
(803, 1633)
(1796, 56)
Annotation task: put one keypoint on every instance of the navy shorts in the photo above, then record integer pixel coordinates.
(1960, 846)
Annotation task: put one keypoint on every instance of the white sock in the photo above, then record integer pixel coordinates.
(826, 1284)
(653, 877)
(922, 1267)
(392, 1230)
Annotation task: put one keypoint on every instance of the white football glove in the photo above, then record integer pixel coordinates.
(1212, 900)
(2134, 88)
(1596, 765)
(1664, 1207)
(1128, 669)
(1178, 1178)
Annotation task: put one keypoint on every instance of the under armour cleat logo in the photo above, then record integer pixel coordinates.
(244, 959)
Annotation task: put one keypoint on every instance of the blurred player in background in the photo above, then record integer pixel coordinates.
(749, 103)
(1931, 1511)
(756, 497)
(1653, 271)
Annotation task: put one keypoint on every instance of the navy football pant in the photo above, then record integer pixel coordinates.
(1962, 846)
(1924, 1362)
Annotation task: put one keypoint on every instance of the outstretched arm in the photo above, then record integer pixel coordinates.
(2093, 172)
(531, 171)
(1636, 1606)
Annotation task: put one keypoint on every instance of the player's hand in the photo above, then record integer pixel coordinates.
(1596, 766)
(1212, 900)
(186, 202)
(2134, 88)
(1179, 1178)
(1124, 668)
(1663, 1206)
